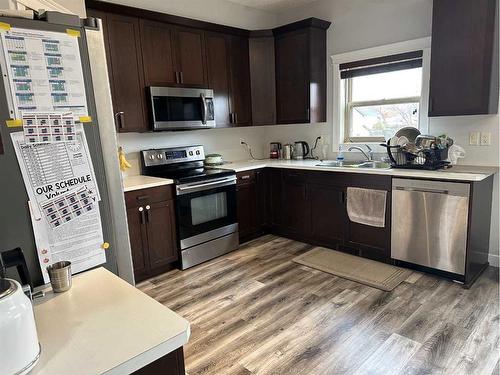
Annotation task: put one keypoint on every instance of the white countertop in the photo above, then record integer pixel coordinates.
(104, 325)
(457, 172)
(131, 183)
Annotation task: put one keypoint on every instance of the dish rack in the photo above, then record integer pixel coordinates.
(429, 159)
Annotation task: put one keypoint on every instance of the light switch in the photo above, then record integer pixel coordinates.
(474, 138)
(485, 139)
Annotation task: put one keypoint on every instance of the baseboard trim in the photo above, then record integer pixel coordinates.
(494, 260)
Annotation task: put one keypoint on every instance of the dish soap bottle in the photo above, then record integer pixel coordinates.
(340, 155)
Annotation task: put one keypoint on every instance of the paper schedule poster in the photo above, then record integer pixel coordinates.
(42, 72)
(63, 194)
(52, 169)
(49, 127)
(79, 241)
(67, 207)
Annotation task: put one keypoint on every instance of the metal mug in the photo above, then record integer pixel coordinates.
(287, 151)
(60, 276)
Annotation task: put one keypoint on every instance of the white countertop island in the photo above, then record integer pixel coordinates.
(103, 325)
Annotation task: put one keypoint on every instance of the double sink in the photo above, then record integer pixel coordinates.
(370, 164)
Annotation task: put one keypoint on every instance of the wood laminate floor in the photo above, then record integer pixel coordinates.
(254, 311)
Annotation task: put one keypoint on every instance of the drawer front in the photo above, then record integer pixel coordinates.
(295, 176)
(354, 179)
(246, 177)
(140, 197)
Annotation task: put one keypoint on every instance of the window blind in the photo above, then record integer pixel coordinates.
(383, 64)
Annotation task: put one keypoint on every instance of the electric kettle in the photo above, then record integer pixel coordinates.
(18, 337)
(300, 150)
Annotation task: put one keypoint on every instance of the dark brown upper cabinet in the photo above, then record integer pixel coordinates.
(157, 41)
(125, 71)
(173, 55)
(240, 99)
(262, 77)
(190, 57)
(259, 77)
(464, 63)
(219, 76)
(300, 50)
(229, 77)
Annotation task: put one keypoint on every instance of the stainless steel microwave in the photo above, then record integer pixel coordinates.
(176, 108)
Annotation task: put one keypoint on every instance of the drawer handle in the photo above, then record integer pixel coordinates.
(143, 218)
(245, 177)
(142, 197)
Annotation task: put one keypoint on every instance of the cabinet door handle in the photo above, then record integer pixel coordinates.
(235, 118)
(176, 77)
(119, 119)
(181, 77)
(341, 197)
(147, 213)
(231, 117)
(143, 218)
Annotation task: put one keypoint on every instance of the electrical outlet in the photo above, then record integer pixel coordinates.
(474, 138)
(485, 139)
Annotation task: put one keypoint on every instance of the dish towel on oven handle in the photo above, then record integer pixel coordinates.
(366, 206)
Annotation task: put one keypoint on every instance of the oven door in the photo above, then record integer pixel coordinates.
(206, 211)
(175, 108)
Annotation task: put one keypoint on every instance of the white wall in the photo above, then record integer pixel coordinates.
(69, 6)
(222, 141)
(217, 11)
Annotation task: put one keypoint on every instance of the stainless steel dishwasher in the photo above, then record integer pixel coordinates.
(429, 223)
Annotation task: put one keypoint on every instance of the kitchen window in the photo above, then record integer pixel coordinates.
(381, 95)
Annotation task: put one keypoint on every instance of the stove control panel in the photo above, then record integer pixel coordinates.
(174, 155)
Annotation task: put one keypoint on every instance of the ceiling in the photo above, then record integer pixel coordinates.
(272, 5)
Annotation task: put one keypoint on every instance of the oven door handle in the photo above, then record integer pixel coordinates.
(204, 109)
(206, 185)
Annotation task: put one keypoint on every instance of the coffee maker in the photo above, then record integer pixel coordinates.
(275, 151)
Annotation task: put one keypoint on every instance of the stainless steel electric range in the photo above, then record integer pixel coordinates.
(205, 202)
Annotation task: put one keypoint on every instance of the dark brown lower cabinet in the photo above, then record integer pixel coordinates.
(251, 204)
(368, 241)
(151, 222)
(327, 213)
(311, 207)
(170, 364)
(295, 206)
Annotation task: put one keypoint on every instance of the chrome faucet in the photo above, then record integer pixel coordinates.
(368, 154)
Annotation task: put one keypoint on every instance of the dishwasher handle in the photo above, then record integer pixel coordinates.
(450, 188)
(419, 190)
